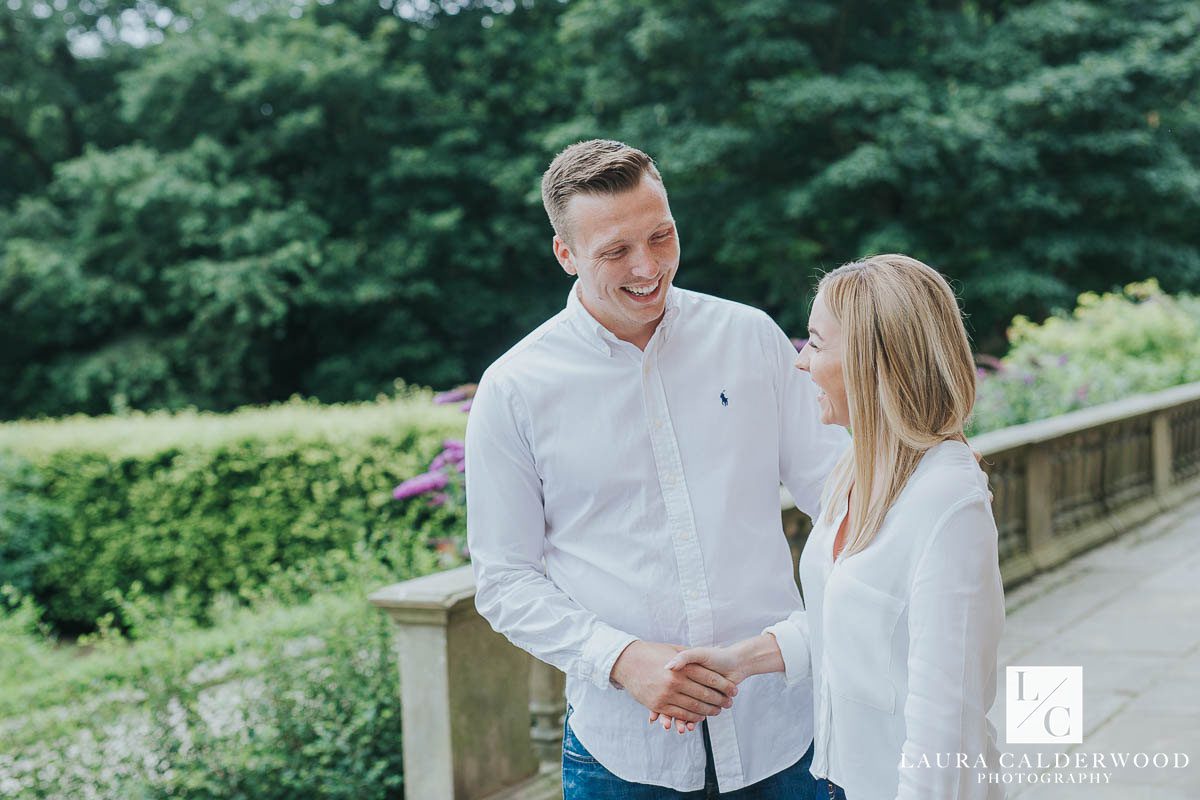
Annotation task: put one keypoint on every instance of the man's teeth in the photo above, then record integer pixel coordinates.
(641, 291)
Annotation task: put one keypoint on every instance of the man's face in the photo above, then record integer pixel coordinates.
(625, 250)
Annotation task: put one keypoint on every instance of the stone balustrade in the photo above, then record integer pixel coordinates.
(480, 715)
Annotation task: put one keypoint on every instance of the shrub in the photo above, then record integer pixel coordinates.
(184, 508)
(27, 522)
(1112, 346)
(285, 703)
(323, 722)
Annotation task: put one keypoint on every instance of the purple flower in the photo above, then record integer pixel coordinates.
(462, 466)
(452, 396)
(428, 482)
(1063, 359)
(439, 499)
(980, 372)
(465, 407)
(1081, 393)
(1029, 378)
(799, 344)
(453, 452)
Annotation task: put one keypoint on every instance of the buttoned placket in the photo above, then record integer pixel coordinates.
(823, 730)
(681, 532)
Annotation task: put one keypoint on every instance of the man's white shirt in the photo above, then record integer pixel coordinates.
(615, 494)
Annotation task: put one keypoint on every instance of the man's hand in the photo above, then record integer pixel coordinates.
(721, 660)
(754, 656)
(687, 695)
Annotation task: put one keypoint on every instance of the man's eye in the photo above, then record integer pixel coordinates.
(661, 237)
(614, 253)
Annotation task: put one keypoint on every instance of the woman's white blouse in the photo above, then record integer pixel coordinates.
(901, 639)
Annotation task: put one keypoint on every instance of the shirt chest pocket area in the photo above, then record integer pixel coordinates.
(859, 623)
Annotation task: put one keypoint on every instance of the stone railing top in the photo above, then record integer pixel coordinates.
(430, 598)
(1045, 430)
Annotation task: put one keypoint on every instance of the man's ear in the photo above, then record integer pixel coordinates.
(566, 258)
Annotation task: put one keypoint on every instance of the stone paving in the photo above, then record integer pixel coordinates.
(1129, 613)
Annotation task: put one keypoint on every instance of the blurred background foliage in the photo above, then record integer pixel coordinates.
(1112, 346)
(183, 607)
(211, 204)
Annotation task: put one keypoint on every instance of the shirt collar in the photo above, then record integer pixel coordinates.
(601, 337)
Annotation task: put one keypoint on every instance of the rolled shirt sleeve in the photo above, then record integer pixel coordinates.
(956, 617)
(792, 637)
(506, 536)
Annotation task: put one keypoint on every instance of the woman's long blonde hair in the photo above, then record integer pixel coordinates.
(910, 380)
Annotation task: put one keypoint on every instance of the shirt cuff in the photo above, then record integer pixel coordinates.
(792, 637)
(601, 652)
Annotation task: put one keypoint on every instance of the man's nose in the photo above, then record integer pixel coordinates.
(802, 359)
(644, 266)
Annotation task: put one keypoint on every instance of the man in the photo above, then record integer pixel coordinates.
(623, 470)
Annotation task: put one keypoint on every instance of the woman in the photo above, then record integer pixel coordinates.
(900, 574)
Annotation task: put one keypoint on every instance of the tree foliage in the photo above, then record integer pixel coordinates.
(215, 207)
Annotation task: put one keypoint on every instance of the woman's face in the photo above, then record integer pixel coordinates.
(822, 359)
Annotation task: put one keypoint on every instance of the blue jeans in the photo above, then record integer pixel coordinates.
(828, 790)
(585, 778)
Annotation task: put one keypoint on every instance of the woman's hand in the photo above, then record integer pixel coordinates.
(754, 656)
(725, 660)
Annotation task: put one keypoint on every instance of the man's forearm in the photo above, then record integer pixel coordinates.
(537, 616)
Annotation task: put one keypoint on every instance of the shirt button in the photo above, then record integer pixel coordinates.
(684, 536)
(692, 594)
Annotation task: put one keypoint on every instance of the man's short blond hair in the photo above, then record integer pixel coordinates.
(597, 166)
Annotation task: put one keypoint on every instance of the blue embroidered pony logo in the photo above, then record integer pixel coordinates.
(724, 399)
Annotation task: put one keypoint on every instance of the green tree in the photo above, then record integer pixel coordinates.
(278, 199)
(1021, 148)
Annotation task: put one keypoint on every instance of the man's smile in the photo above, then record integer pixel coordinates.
(643, 292)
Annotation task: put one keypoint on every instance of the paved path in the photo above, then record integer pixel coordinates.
(1129, 613)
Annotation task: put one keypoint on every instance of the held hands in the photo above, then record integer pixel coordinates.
(754, 656)
(723, 661)
(685, 694)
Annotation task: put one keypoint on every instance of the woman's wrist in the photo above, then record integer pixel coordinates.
(758, 655)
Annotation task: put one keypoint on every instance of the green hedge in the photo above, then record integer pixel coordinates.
(180, 509)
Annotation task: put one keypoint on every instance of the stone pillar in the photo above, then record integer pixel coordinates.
(1161, 457)
(1039, 506)
(548, 705)
(463, 691)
